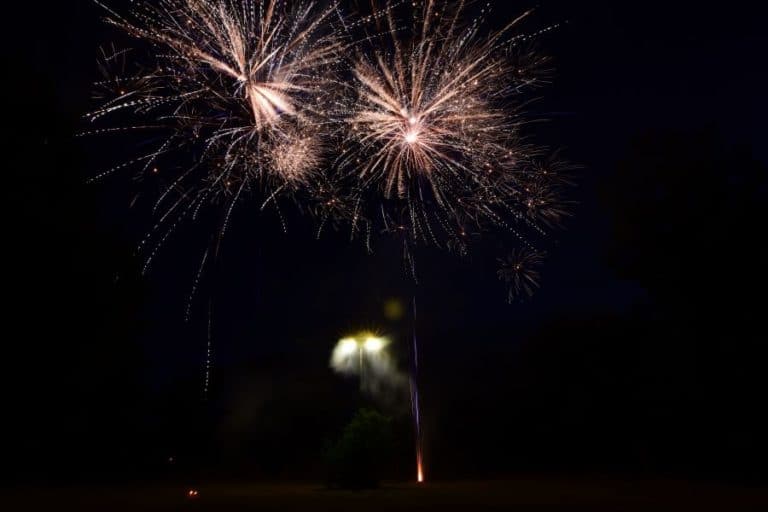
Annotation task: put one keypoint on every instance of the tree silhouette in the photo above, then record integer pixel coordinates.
(358, 458)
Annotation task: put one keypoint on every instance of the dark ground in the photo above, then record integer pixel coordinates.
(522, 494)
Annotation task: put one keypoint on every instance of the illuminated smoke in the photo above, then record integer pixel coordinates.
(366, 357)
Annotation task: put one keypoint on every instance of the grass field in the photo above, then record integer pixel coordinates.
(514, 494)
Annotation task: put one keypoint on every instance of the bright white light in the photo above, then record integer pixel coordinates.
(413, 120)
(365, 355)
(347, 346)
(373, 344)
(412, 136)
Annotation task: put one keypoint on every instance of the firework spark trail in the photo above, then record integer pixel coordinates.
(415, 405)
(208, 353)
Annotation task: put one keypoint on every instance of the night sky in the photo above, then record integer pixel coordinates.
(643, 351)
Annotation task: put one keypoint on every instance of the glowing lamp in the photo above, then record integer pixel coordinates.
(347, 346)
(373, 344)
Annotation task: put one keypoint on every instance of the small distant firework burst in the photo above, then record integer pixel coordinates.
(434, 152)
(520, 271)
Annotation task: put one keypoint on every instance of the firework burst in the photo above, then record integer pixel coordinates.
(434, 151)
(520, 271)
(423, 138)
(234, 93)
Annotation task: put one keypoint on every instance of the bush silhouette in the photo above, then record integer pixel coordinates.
(358, 458)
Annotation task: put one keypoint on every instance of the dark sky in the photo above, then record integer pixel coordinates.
(100, 362)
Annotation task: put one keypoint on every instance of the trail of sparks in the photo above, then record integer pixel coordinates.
(208, 353)
(415, 405)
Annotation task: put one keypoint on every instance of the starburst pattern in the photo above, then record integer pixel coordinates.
(234, 92)
(434, 151)
(520, 271)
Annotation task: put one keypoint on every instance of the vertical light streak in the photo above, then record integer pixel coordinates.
(415, 405)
